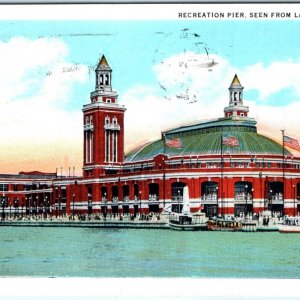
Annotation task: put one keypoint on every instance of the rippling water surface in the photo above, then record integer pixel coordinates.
(85, 252)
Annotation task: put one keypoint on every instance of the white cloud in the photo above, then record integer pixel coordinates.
(192, 74)
(149, 112)
(36, 82)
(273, 78)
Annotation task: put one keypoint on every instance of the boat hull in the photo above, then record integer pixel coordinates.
(289, 229)
(220, 228)
(187, 227)
(224, 225)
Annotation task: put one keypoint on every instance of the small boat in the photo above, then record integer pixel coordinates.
(185, 220)
(220, 224)
(290, 225)
(248, 225)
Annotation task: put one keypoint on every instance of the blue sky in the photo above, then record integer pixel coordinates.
(130, 46)
(42, 102)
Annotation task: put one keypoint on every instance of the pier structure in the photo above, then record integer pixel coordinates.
(229, 168)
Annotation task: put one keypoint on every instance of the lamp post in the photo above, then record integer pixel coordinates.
(3, 205)
(105, 206)
(73, 207)
(140, 197)
(178, 198)
(56, 201)
(26, 204)
(260, 183)
(246, 192)
(36, 205)
(75, 185)
(294, 192)
(59, 205)
(45, 207)
(252, 199)
(16, 207)
(48, 203)
(271, 202)
(22, 207)
(90, 208)
(30, 205)
(217, 188)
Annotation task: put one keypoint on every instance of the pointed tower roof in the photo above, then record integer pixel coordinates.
(235, 81)
(103, 64)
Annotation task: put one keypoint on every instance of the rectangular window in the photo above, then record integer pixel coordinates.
(91, 147)
(90, 193)
(3, 187)
(107, 146)
(115, 147)
(63, 194)
(86, 147)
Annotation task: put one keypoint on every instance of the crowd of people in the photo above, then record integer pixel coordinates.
(113, 217)
(261, 218)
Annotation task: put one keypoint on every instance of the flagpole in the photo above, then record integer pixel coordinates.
(283, 167)
(221, 181)
(164, 170)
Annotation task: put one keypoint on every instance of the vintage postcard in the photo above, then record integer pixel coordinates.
(150, 151)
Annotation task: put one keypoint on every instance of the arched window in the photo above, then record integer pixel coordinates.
(104, 192)
(177, 189)
(125, 190)
(209, 189)
(234, 96)
(242, 190)
(106, 79)
(153, 191)
(115, 193)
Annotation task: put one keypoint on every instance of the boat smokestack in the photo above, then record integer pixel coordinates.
(186, 201)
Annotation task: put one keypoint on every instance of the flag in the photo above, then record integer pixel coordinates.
(230, 141)
(173, 143)
(290, 142)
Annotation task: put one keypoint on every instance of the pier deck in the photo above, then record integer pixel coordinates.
(87, 224)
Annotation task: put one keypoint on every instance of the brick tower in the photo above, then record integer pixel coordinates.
(103, 120)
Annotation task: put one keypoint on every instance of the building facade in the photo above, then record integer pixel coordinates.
(229, 168)
(27, 193)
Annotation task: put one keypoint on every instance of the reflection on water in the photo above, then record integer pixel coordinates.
(83, 252)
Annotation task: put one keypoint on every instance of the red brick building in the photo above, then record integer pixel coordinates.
(26, 193)
(229, 168)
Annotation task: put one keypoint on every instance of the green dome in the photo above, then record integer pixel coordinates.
(205, 138)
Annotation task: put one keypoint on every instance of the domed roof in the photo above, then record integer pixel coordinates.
(205, 138)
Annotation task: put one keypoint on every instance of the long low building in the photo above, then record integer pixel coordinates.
(228, 167)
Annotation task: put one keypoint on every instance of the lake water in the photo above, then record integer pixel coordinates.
(88, 252)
